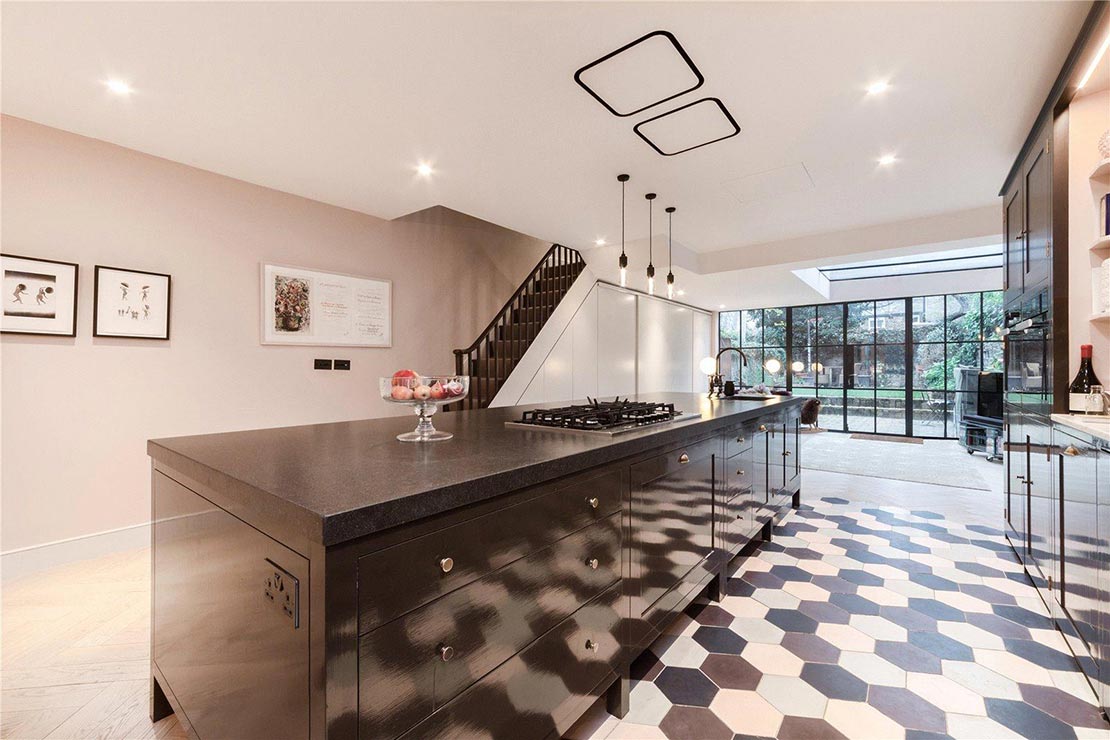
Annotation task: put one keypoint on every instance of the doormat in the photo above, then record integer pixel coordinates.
(890, 438)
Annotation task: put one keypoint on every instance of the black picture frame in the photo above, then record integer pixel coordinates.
(76, 288)
(98, 330)
(720, 105)
(678, 47)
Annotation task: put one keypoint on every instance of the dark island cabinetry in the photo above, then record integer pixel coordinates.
(328, 582)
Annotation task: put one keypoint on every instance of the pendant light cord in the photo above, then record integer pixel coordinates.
(623, 182)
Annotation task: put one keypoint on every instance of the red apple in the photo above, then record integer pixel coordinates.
(421, 392)
(401, 393)
(438, 391)
(404, 377)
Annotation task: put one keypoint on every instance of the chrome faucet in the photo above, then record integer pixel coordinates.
(716, 385)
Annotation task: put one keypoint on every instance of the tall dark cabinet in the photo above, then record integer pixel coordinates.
(1051, 504)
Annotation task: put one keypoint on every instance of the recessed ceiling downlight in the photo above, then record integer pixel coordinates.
(651, 70)
(118, 87)
(696, 124)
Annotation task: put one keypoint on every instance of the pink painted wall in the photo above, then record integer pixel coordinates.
(76, 413)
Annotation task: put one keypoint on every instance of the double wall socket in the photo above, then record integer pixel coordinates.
(319, 364)
(283, 590)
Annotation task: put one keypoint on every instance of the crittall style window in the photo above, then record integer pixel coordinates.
(891, 367)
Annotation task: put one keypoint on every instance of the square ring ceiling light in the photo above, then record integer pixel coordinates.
(651, 70)
(691, 126)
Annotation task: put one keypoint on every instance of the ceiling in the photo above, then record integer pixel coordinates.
(340, 101)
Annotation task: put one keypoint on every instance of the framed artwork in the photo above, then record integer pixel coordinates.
(40, 296)
(309, 307)
(130, 303)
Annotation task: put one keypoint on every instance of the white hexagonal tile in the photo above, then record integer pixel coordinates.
(878, 627)
(982, 680)
(742, 606)
(630, 731)
(817, 568)
(792, 696)
(970, 635)
(845, 637)
(886, 572)
(647, 704)
(1012, 666)
(945, 693)
(685, 653)
(861, 721)
(883, 596)
(873, 669)
(746, 712)
(909, 589)
(757, 629)
(776, 598)
(963, 602)
(963, 726)
(774, 660)
(806, 591)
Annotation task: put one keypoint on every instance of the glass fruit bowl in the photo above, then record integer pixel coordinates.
(425, 394)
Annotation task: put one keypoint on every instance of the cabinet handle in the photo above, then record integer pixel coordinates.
(445, 652)
(593, 502)
(740, 472)
(762, 427)
(683, 459)
(740, 440)
(446, 564)
(786, 454)
(592, 563)
(1070, 451)
(591, 646)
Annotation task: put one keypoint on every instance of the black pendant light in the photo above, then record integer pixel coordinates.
(650, 268)
(670, 252)
(623, 262)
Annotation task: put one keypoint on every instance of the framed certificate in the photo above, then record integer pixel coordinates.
(310, 307)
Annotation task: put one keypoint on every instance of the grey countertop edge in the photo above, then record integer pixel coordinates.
(336, 528)
(1083, 424)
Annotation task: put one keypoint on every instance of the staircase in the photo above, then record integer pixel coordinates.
(493, 355)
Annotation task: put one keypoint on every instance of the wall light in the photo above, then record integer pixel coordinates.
(1094, 65)
(887, 159)
(878, 87)
(424, 169)
(600, 242)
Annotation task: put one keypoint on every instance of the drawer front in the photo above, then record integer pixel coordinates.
(403, 674)
(539, 692)
(738, 440)
(737, 522)
(738, 473)
(399, 579)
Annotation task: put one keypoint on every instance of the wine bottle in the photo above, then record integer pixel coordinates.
(1085, 380)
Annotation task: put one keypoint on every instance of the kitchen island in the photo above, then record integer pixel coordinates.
(328, 581)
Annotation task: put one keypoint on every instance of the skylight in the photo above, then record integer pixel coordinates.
(958, 260)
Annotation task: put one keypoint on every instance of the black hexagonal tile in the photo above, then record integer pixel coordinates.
(761, 579)
(811, 648)
(682, 723)
(807, 728)
(908, 657)
(978, 569)
(731, 672)
(942, 646)
(1042, 655)
(719, 640)
(823, 611)
(928, 580)
(855, 604)
(790, 620)
(646, 666)
(907, 708)
(834, 682)
(1026, 720)
(710, 614)
(1064, 707)
(740, 587)
(860, 577)
(937, 610)
(987, 594)
(999, 626)
(791, 573)
(910, 619)
(1024, 617)
(835, 584)
(686, 686)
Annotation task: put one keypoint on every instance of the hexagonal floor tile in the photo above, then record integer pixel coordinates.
(823, 611)
(1063, 706)
(834, 682)
(774, 660)
(940, 645)
(683, 652)
(862, 721)
(970, 635)
(746, 713)
(731, 672)
(805, 728)
(805, 590)
(776, 598)
(792, 696)
(945, 693)
(980, 679)
(1012, 666)
(682, 723)
(791, 620)
(1026, 720)
(686, 686)
(719, 640)
(647, 704)
(846, 637)
(907, 708)
(811, 648)
(908, 657)
(878, 627)
(874, 669)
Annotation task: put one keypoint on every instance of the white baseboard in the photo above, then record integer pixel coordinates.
(27, 560)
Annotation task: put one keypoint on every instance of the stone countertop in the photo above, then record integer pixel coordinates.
(1094, 426)
(345, 480)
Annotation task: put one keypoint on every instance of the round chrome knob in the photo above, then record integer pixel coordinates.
(593, 502)
(740, 440)
(786, 454)
(445, 652)
(591, 646)
(592, 563)
(446, 564)
(762, 427)
(740, 472)
(683, 459)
